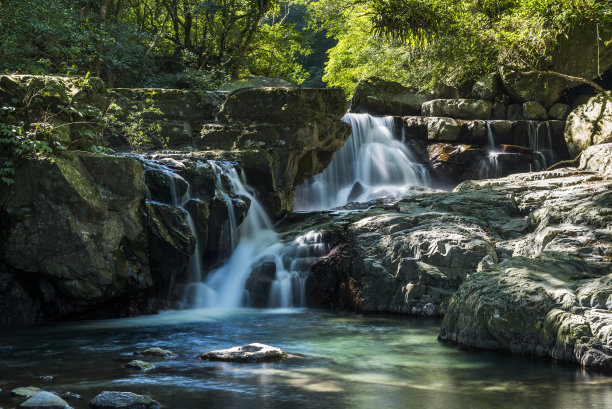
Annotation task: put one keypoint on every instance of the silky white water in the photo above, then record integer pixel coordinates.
(371, 165)
(489, 166)
(256, 242)
(540, 142)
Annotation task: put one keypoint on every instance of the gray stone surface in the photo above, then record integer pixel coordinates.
(250, 353)
(123, 400)
(598, 158)
(45, 400)
(381, 97)
(458, 108)
(590, 124)
(533, 110)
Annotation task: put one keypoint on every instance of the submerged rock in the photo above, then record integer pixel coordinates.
(123, 400)
(25, 392)
(251, 353)
(156, 351)
(45, 400)
(139, 365)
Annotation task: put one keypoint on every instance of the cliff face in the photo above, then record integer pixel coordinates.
(99, 235)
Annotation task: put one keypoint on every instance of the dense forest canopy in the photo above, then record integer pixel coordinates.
(203, 43)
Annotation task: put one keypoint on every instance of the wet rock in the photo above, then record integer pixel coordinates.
(86, 240)
(251, 353)
(500, 110)
(25, 392)
(356, 191)
(281, 136)
(562, 313)
(139, 365)
(559, 112)
(69, 396)
(45, 400)
(590, 124)
(533, 110)
(123, 400)
(458, 108)
(380, 97)
(156, 351)
(444, 129)
(515, 112)
(487, 87)
(401, 257)
(598, 158)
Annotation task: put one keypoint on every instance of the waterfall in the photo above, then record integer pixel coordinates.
(541, 144)
(372, 164)
(179, 200)
(255, 240)
(489, 166)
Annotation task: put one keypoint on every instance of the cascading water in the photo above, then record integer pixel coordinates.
(255, 241)
(372, 164)
(195, 262)
(489, 166)
(541, 144)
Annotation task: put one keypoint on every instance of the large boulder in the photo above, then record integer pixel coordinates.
(553, 306)
(381, 97)
(458, 108)
(399, 258)
(598, 158)
(544, 87)
(590, 124)
(72, 236)
(583, 51)
(152, 118)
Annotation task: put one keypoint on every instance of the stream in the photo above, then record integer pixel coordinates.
(344, 361)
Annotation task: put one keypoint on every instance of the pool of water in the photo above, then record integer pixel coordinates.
(343, 361)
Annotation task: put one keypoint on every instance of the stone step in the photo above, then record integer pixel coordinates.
(480, 109)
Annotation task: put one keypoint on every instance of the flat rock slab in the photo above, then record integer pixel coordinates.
(155, 351)
(25, 392)
(45, 400)
(123, 400)
(251, 353)
(139, 365)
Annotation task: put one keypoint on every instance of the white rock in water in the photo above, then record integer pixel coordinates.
(25, 391)
(246, 353)
(45, 400)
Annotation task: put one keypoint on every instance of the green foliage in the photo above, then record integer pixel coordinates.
(424, 42)
(167, 43)
(139, 126)
(33, 123)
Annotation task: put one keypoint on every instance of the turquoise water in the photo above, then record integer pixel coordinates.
(342, 361)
